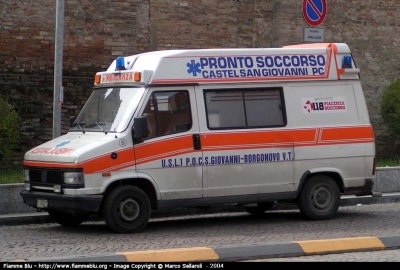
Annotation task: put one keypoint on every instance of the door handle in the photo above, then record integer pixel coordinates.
(196, 142)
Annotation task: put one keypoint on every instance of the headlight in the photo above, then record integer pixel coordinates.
(26, 176)
(74, 178)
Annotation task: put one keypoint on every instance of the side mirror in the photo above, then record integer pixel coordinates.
(71, 120)
(140, 129)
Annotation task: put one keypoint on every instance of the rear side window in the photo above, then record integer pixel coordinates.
(244, 108)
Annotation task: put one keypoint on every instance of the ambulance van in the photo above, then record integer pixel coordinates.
(205, 127)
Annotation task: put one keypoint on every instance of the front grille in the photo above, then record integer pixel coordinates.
(44, 179)
(46, 176)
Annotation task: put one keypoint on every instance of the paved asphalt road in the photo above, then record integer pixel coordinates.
(93, 238)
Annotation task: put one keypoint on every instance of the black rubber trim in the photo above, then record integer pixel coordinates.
(362, 190)
(62, 202)
(240, 199)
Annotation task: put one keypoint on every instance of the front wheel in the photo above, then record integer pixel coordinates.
(127, 209)
(67, 219)
(319, 198)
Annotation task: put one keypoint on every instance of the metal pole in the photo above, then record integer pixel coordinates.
(58, 64)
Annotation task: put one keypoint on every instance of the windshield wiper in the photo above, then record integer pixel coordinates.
(79, 125)
(97, 124)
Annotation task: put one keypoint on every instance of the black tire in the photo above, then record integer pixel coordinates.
(320, 198)
(127, 209)
(67, 219)
(260, 209)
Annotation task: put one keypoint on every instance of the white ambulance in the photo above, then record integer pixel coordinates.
(204, 127)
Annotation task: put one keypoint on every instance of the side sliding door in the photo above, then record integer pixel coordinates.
(246, 148)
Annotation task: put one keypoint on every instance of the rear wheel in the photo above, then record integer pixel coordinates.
(260, 209)
(127, 209)
(319, 198)
(67, 219)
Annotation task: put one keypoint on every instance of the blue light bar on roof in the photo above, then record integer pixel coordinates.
(347, 62)
(120, 64)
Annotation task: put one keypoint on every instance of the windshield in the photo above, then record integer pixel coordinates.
(108, 110)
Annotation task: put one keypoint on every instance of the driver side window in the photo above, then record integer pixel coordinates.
(168, 112)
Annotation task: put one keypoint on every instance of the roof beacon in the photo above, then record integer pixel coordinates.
(347, 62)
(120, 65)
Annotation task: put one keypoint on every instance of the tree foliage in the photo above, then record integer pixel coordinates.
(390, 107)
(9, 129)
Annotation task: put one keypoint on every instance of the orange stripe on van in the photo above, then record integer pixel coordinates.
(334, 48)
(51, 164)
(105, 162)
(346, 133)
(125, 158)
(281, 137)
(164, 148)
(180, 145)
(330, 48)
(329, 52)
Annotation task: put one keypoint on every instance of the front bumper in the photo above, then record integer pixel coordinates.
(62, 202)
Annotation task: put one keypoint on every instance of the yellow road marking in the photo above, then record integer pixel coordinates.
(172, 255)
(341, 244)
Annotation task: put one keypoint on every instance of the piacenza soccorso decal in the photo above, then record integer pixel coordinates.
(258, 66)
(226, 159)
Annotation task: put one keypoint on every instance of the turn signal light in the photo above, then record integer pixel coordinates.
(137, 76)
(97, 79)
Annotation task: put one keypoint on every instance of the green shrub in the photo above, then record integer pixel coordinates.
(9, 129)
(390, 107)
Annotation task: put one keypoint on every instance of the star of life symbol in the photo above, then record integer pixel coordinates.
(309, 106)
(62, 144)
(194, 67)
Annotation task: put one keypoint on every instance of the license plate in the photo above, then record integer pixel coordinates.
(41, 203)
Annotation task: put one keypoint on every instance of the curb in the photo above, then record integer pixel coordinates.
(242, 252)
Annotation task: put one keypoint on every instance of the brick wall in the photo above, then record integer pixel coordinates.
(96, 32)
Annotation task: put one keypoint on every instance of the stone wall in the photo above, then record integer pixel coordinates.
(95, 33)
(32, 96)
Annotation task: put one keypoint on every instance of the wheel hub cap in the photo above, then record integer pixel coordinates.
(321, 198)
(129, 209)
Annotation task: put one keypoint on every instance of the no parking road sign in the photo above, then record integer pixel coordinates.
(314, 11)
